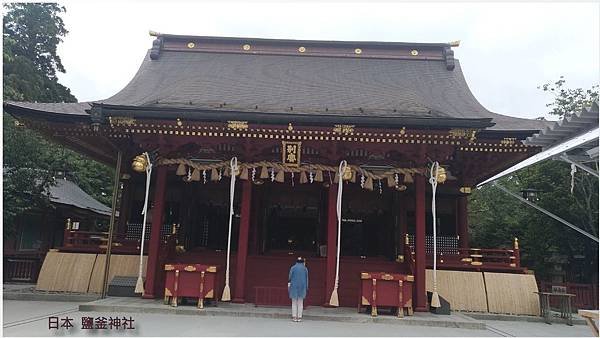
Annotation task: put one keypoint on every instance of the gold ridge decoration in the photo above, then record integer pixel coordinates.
(508, 141)
(344, 129)
(464, 133)
(116, 121)
(237, 125)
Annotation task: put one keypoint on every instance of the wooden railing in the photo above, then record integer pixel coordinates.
(96, 242)
(469, 258)
(22, 267)
(586, 295)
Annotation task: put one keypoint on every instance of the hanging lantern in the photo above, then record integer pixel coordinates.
(227, 172)
(319, 176)
(369, 184)
(303, 178)
(196, 175)
(139, 163)
(280, 177)
(244, 174)
(214, 175)
(408, 178)
(181, 170)
(264, 173)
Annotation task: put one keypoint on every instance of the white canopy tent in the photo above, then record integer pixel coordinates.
(574, 140)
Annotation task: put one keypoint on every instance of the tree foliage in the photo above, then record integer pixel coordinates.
(545, 243)
(32, 32)
(568, 100)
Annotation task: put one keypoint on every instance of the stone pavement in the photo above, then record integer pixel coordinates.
(347, 315)
(28, 292)
(30, 318)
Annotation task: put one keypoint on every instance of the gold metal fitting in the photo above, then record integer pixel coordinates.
(358, 51)
(191, 45)
(139, 163)
(441, 175)
(246, 47)
(347, 174)
(302, 49)
(414, 52)
(465, 190)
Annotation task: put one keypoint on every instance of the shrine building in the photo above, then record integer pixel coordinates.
(284, 114)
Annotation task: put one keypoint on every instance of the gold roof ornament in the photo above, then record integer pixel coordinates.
(455, 43)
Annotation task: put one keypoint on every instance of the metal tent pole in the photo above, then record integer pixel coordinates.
(583, 232)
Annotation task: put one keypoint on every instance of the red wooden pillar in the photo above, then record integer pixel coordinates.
(421, 294)
(152, 267)
(463, 222)
(331, 241)
(242, 253)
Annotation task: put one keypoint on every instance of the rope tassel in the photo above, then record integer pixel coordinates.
(181, 170)
(226, 291)
(139, 285)
(319, 176)
(334, 300)
(196, 175)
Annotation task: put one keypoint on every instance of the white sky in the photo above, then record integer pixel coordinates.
(507, 49)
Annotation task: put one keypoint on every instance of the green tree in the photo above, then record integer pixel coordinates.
(32, 32)
(496, 218)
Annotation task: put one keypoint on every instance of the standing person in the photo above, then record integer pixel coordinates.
(297, 288)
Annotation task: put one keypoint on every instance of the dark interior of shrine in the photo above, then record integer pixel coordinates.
(288, 219)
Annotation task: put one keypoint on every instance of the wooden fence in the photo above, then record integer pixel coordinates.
(586, 295)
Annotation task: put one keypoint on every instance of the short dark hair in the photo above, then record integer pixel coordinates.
(300, 260)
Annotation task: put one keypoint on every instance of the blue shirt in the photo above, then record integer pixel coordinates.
(299, 281)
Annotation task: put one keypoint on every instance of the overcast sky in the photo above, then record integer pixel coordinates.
(507, 49)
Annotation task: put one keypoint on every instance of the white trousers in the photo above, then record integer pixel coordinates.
(297, 307)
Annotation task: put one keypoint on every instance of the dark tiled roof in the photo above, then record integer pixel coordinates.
(78, 108)
(69, 193)
(342, 87)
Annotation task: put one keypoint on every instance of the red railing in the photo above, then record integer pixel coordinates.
(508, 260)
(450, 256)
(91, 241)
(586, 295)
